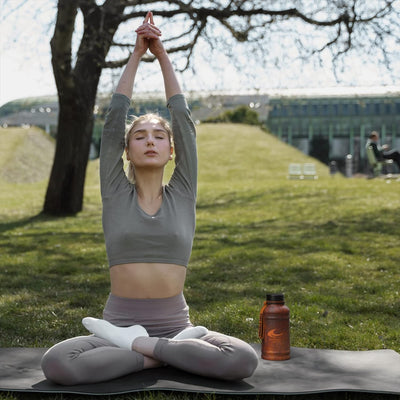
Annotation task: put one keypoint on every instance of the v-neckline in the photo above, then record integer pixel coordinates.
(157, 212)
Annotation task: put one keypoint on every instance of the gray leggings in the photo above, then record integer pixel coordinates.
(90, 359)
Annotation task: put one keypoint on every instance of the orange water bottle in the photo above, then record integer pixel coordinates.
(274, 328)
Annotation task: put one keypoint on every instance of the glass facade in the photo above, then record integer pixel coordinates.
(344, 122)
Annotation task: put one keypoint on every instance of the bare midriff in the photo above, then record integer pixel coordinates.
(147, 280)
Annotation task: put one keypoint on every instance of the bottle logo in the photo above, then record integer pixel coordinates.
(275, 333)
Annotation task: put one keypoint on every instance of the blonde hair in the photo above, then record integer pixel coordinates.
(136, 121)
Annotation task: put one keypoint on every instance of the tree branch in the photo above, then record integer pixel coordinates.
(61, 48)
(346, 18)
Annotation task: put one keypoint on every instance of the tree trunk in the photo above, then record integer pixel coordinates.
(77, 88)
(75, 124)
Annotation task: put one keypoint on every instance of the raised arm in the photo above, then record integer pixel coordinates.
(171, 83)
(185, 172)
(156, 47)
(112, 175)
(146, 34)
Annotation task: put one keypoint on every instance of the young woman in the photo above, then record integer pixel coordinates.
(149, 231)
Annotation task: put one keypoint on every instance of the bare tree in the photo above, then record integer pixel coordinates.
(336, 26)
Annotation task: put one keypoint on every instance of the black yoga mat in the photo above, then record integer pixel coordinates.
(308, 371)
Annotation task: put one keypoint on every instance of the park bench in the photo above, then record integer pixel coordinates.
(295, 171)
(375, 164)
(305, 171)
(309, 171)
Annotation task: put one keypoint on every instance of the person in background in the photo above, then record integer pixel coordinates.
(149, 229)
(382, 152)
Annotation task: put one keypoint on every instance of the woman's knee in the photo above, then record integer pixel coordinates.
(243, 364)
(239, 359)
(57, 367)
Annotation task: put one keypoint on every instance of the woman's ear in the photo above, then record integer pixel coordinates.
(127, 154)
(171, 153)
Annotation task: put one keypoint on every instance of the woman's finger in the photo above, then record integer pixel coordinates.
(150, 36)
(148, 29)
(148, 16)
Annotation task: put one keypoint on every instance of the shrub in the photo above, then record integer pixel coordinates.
(240, 115)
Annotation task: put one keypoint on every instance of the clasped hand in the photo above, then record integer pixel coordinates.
(148, 37)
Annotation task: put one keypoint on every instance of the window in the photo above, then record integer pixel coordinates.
(275, 111)
(314, 110)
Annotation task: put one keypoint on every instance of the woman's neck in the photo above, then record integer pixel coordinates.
(149, 186)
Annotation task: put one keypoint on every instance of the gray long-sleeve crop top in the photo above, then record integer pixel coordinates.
(132, 235)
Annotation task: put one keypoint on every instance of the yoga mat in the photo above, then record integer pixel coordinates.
(308, 371)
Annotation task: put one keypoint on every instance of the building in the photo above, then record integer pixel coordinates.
(330, 125)
(327, 124)
(43, 114)
(211, 105)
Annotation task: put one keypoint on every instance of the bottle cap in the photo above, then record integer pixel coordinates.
(275, 297)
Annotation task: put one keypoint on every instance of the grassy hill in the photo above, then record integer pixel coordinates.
(26, 155)
(330, 245)
(231, 157)
(235, 156)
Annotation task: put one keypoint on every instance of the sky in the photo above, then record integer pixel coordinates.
(25, 63)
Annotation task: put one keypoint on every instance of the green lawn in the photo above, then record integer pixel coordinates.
(331, 245)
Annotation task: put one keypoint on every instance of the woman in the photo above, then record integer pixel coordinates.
(149, 233)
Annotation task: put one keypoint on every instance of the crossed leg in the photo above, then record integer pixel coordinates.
(194, 350)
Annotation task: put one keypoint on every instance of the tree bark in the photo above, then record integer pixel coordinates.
(75, 124)
(77, 89)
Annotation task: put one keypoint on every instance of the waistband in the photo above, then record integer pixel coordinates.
(163, 317)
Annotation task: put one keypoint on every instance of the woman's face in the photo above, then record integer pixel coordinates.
(149, 145)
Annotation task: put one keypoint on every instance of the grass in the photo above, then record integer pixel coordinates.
(330, 245)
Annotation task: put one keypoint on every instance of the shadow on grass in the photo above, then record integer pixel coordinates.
(52, 270)
(61, 268)
(231, 262)
(229, 199)
(291, 234)
(10, 225)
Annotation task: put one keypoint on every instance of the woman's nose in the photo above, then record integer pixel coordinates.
(150, 141)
